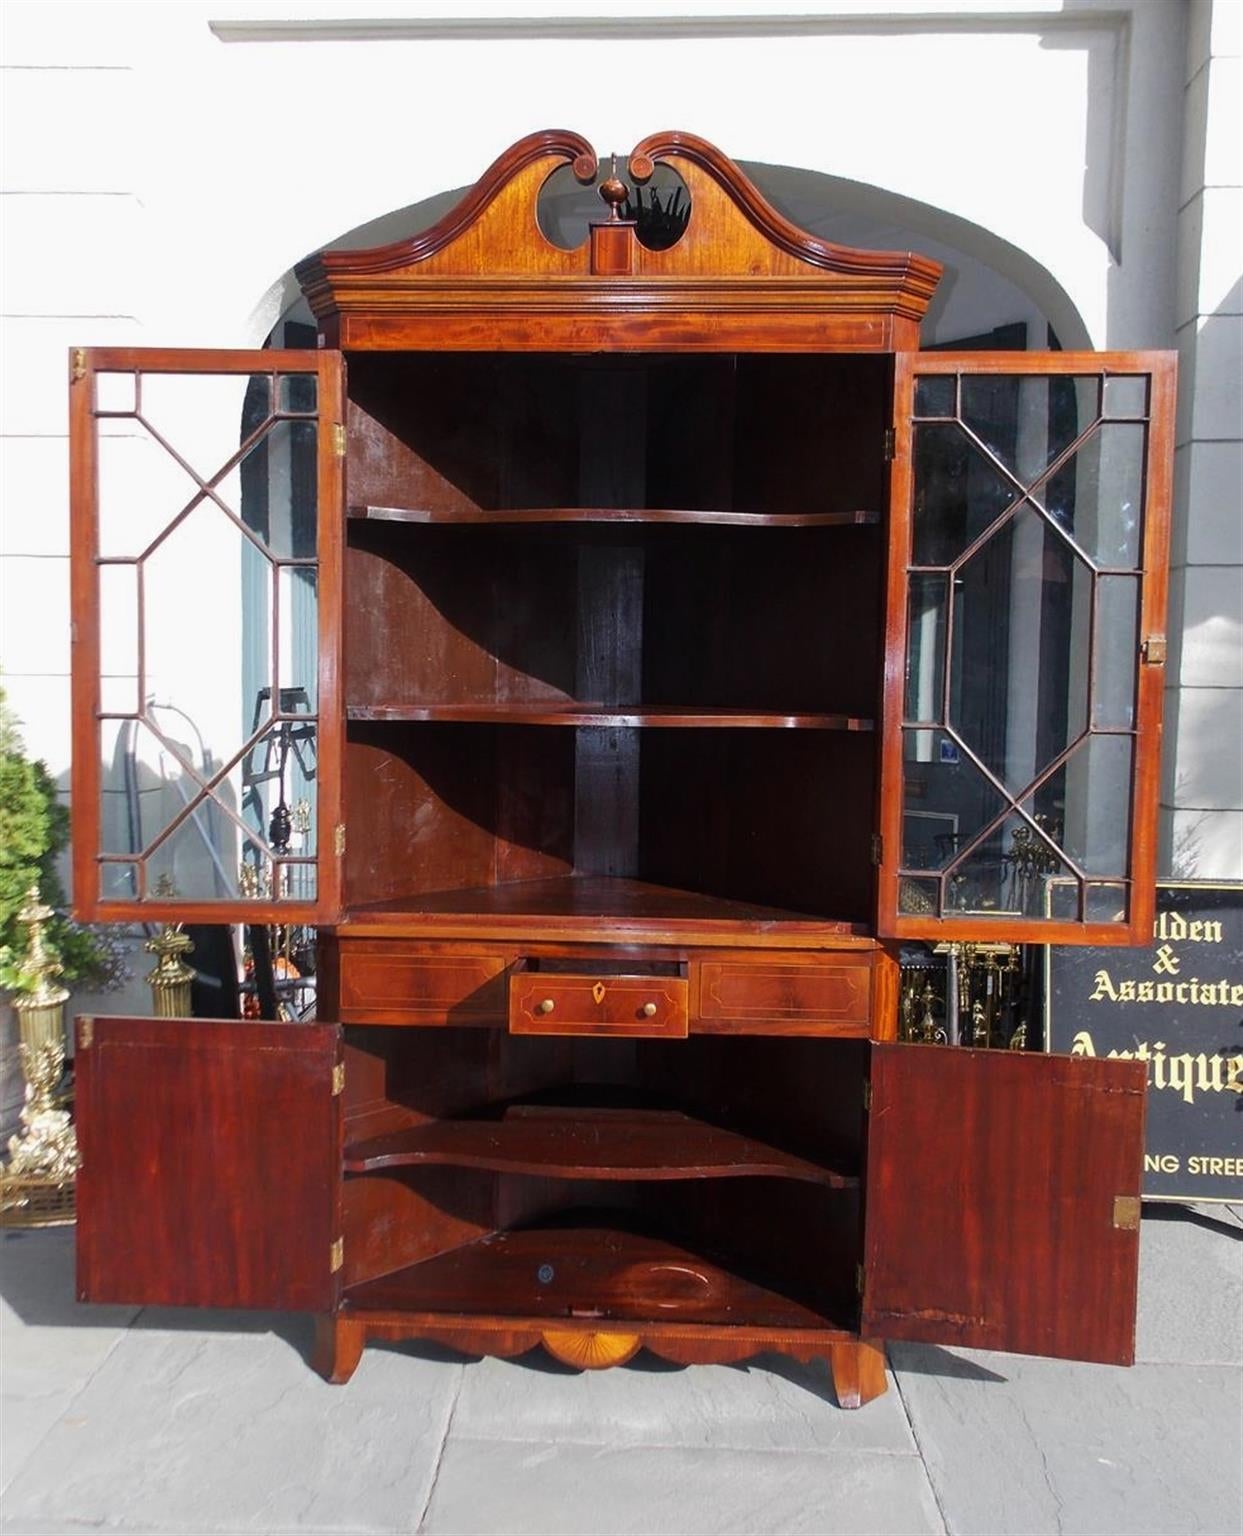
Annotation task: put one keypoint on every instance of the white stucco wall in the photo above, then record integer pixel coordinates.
(1203, 786)
(165, 166)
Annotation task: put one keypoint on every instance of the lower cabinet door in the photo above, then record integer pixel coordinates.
(1002, 1201)
(211, 1163)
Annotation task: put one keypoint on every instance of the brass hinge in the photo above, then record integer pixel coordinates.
(1126, 1213)
(86, 1033)
(338, 1079)
(338, 839)
(77, 364)
(1153, 650)
(867, 1096)
(878, 848)
(891, 444)
(336, 1255)
(859, 1278)
(338, 439)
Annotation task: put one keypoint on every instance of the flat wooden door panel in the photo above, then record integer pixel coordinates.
(211, 1163)
(1003, 1201)
(1025, 642)
(207, 522)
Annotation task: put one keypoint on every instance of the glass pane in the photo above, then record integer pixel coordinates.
(200, 857)
(1036, 653)
(200, 642)
(256, 874)
(1117, 651)
(936, 395)
(119, 882)
(946, 800)
(1097, 495)
(117, 800)
(1126, 395)
(205, 417)
(918, 898)
(277, 787)
(1007, 875)
(118, 634)
(296, 393)
(1028, 421)
(1107, 903)
(1085, 807)
(143, 785)
(958, 494)
(297, 622)
(227, 637)
(116, 392)
(925, 656)
(141, 490)
(1018, 686)
(273, 489)
(296, 881)
(118, 695)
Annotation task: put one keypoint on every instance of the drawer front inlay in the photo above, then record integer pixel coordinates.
(421, 988)
(557, 1004)
(787, 994)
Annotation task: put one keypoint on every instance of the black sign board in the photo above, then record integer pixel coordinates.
(1178, 1005)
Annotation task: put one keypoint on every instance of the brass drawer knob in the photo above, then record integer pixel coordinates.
(649, 1010)
(546, 1006)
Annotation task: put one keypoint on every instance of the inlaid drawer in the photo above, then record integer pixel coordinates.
(554, 1002)
(793, 994)
(384, 982)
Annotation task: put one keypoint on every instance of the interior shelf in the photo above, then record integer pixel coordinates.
(609, 715)
(590, 899)
(470, 515)
(583, 1271)
(557, 1142)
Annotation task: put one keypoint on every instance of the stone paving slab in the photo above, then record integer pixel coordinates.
(502, 1487)
(39, 1527)
(1049, 1445)
(201, 1429)
(1191, 1286)
(768, 1403)
(49, 1346)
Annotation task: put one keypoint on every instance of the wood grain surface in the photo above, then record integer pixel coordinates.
(589, 1144)
(211, 1163)
(992, 1178)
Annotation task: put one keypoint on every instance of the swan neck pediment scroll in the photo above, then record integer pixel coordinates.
(736, 274)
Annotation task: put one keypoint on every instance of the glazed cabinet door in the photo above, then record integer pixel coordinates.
(207, 529)
(1025, 645)
(211, 1163)
(1002, 1201)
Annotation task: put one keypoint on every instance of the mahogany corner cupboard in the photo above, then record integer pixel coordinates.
(614, 647)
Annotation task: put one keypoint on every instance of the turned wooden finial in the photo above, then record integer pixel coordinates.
(614, 192)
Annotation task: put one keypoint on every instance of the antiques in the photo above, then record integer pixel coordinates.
(37, 1182)
(976, 996)
(171, 978)
(664, 620)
